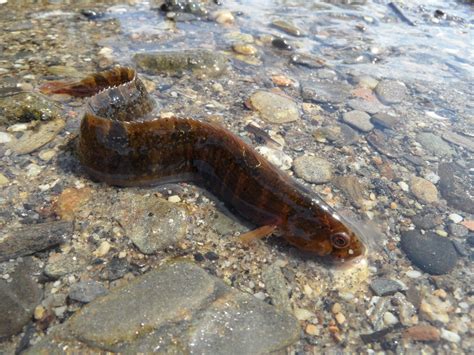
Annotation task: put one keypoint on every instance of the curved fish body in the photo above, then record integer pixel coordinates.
(121, 143)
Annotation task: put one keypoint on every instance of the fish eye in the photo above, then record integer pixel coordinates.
(340, 240)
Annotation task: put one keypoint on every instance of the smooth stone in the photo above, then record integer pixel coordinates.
(385, 120)
(288, 27)
(274, 108)
(245, 49)
(307, 60)
(352, 187)
(458, 230)
(462, 141)
(450, 336)
(454, 186)
(87, 291)
(323, 92)
(368, 106)
(19, 296)
(424, 190)
(26, 107)
(313, 169)
(339, 134)
(63, 264)
(33, 238)
(431, 253)
(276, 157)
(198, 61)
(390, 91)
(177, 303)
(427, 221)
(359, 120)
(151, 223)
(282, 44)
(276, 287)
(32, 140)
(455, 218)
(422, 332)
(385, 287)
(434, 144)
(5, 137)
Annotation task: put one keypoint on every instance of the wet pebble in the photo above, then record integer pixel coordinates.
(385, 120)
(31, 239)
(462, 141)
(71, 200)
(434, 144)
(59, 265)
(368, 106)
(152, 224)
(455, 187)
(282, 44)
(32, 140)
(359, 120)
(5, 137)
(274, 108)
(424, 190)
(244, 48)
(457, 230)
(313, 169)
(385, 287)
(276, 286)
(324, 92)
(339, 134)
(3, 180)
(431, 253)
(390, 91)
(307, 60)
(422, 332)
(20, 295)
(223, 17)
(450, 336)
(87, 291)
(288, 27)
(455, 218)
(427, 221)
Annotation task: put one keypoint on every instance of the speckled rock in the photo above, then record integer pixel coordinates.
(181, 308)
(384, 287)
(150, 222)
(340, 135)
(59, 265)
(385, 120)
(32, 140)
(276, 287)
(87, 291)
(19, 296)
(434, 144)
(424, 190)
(201, 62)
(455, 186)
(433, 254)
(359, 120)
(30, 239)
(313, 169)
(26, 107)
(368, 106)
(391, 92)
(274, 108)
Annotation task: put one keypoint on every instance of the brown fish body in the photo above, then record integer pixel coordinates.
(122, 144)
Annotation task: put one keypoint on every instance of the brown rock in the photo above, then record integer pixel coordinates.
(422, 332)
(70, 200)
(424, 190)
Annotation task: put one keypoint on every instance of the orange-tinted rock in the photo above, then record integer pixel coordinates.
(422, 332)
(70, 200)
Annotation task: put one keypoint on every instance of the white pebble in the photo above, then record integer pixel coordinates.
(404, 186)
(174, 199)
(303, 314)
(260, 295)
(5, 137)
(389, 318)
(18, 127)
(413, 274)
(455, 218)
(432, 177)
(33, 170)
(450, 336)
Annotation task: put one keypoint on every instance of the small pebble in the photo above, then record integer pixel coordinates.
(47, 155)
(359, 120)
(455, 218)
(336, 308)
(245, 49)
(458, 230)
(174, 199)
(39, 312)
(422, 332)
(5, 137)
(413, 274)
(210, 255)
(404, 186)
(424, 190)
(223, 17)
(311, 329)
(303, 314)
(450, 336)
(281, 43)
(340, 318)
(3, 180)
(313, 169)
(103, 249)
(389, 318)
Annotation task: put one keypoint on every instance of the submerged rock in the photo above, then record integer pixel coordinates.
(201, 62)
(431, 253)
(390, 91)
(274, 108)
(333, 92)
(181, 308)
(313, 169)
(288, 27)
(455, 186)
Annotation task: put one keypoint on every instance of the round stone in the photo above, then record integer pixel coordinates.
(390, 91)
(424, 190)
(313, 169)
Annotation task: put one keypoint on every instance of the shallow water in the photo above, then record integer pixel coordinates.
(413, 171)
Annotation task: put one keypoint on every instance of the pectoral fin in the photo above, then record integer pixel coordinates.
(259, 233)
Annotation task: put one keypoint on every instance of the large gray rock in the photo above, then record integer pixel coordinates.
(19, 297)
(178, 308)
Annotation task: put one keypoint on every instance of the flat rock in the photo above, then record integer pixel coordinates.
(427, 220)
(422, 332)
(456, 187)
(151, 223)
(19, 298)
(288, 27)
(434, 144)
(87, 291)
(369, 106)
(431, 253)
(390, 91)
(177, 308)
(313, 169)
(424, 190)
(274, 108)
(200, 62)
(33, 238)
(385, 120)
(339, 134)
(32, 140)
(307, 60)
(276, 287)
(462, 141)
(324, 92)
(359, 120)
(385, 287)
(59, 265)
